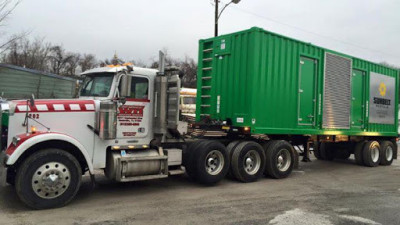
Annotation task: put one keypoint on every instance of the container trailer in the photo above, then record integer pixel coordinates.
(259, 95)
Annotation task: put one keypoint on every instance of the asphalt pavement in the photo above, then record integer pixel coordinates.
(319, 192)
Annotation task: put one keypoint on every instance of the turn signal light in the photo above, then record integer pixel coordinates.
(33, 129)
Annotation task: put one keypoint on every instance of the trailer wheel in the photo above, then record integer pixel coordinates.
(387, 152)
(248, 161)
(327, 152)
(48, 178)
(358, 153)
(229, 149)
(279, 159)
(371, 154)
(211, 162)
(317, 151)
(342, 154)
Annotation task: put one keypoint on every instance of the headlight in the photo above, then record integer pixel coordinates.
(16, 140)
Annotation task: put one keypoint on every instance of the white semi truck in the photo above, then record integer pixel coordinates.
(126, 122)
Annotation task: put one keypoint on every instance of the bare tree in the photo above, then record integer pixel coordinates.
(26, 53)
(71, 64)
(390, 65)
(58, 59)
(6, 8)
(189, 69)
(88, 61)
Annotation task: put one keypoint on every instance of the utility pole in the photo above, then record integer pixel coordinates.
(218, 14)
(216, 18)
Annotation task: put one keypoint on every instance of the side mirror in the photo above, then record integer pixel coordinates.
(32, 100)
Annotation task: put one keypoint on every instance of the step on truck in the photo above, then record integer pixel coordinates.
(260, 96)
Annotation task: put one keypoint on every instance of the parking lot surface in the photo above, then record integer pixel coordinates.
(319, 192)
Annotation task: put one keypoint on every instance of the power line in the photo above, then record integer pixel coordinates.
(313, 33)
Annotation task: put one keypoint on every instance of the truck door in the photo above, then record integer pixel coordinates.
(307, 89)
(357, 99)
(133, 119)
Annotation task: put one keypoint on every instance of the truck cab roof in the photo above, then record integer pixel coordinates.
(115, 69)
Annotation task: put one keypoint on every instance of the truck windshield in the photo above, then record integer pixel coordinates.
(98, 85)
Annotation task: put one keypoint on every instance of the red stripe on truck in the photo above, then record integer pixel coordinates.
(42, 106)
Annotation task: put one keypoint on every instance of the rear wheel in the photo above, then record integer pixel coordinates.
(248, 161)
(188, 158)
(279, 159)
(211, 162)
(358, 153)
(327, 151)
(49, 178)
(342, 154)
(316, 150)
(371, 154)
(229, 149)
(387, 152)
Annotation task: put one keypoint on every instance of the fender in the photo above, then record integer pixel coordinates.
(28, 140)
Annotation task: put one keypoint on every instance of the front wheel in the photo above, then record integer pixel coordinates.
(49, 178)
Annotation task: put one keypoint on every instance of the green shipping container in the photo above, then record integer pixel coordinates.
(278, 85)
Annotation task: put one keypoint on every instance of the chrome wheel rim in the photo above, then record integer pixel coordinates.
(214, 162)
(51, 180)
(389, 153)
(375, 154)
(283, 160)
(252, 162)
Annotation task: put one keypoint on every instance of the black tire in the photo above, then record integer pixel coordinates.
(32, 165)
(371, 154)
(210, 152)
(188, 158)
(317, 151)
(266, 145)
(10, 179)
(327, 151)
(387, 152)
(272, 155)
(358, 153)
(342, 154)
(229, 149)
(248, 150)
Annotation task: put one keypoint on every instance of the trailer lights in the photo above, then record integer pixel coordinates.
(145, 146)
(246, 129)
(131, 146)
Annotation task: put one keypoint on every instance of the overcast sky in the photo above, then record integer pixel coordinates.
(136, 29)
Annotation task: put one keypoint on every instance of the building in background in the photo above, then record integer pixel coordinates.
(20, 83)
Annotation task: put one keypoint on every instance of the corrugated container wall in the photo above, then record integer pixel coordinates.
(278, 85)
(21, 83)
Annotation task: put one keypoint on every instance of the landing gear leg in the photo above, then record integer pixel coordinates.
(306, 153)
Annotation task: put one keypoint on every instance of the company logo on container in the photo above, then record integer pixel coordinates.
(43, 106)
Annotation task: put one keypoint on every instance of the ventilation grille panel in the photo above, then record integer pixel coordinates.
(337, 92)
